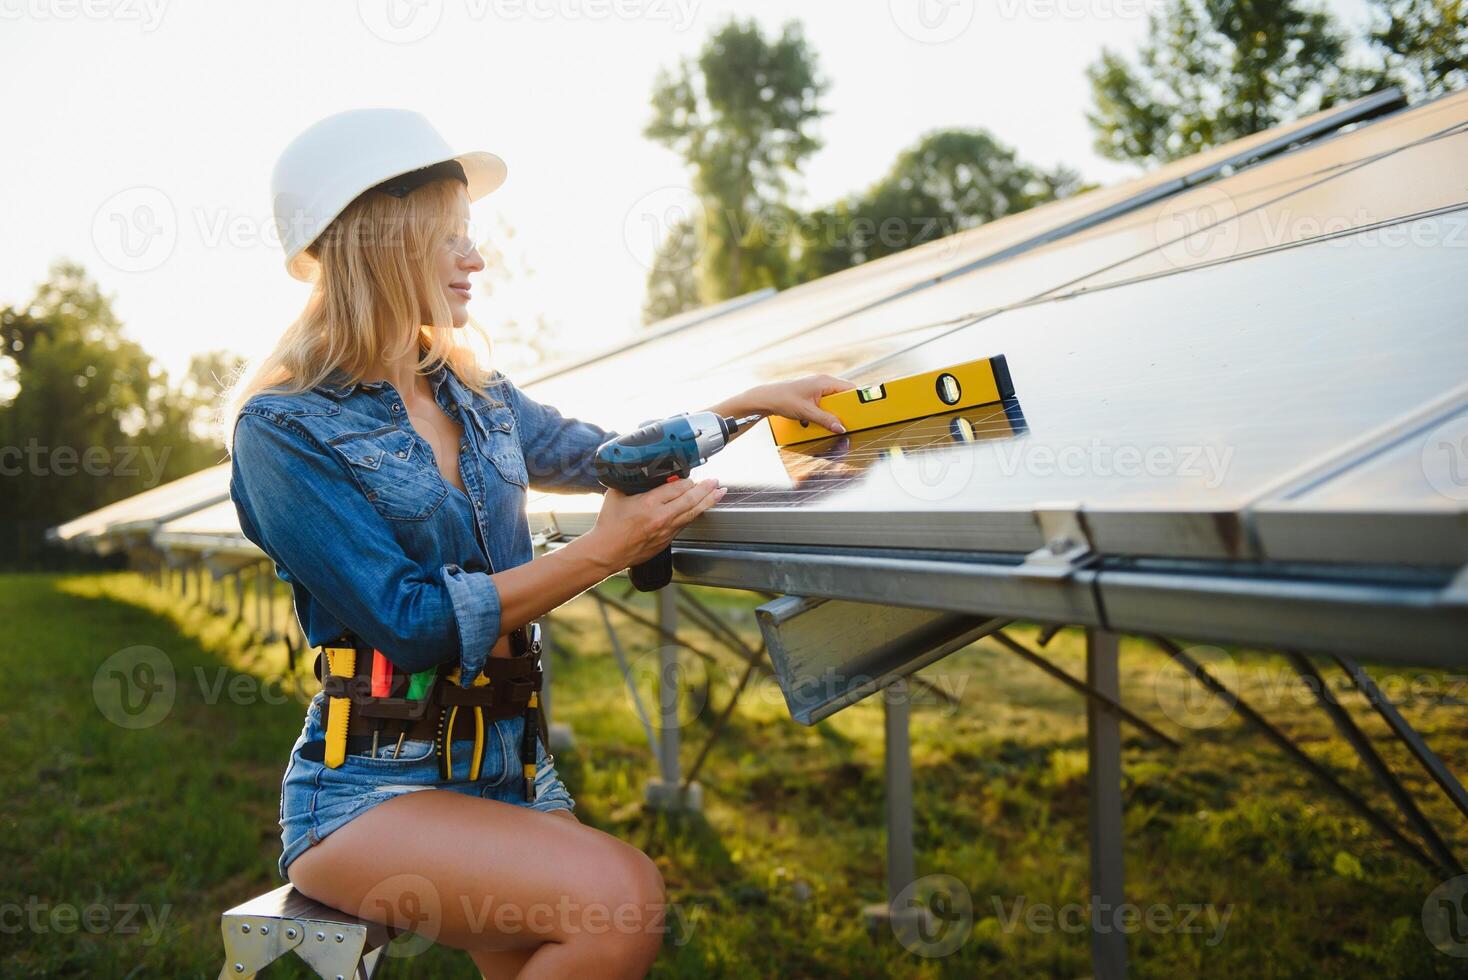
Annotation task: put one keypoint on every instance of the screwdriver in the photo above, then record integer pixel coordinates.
(381, 688)
(418, 685)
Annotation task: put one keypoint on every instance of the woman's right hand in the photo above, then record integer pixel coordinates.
(631, 529)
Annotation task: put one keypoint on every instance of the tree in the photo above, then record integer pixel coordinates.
(85, 416)
(950, 180)
(1212, 71)
(672, 287)
(742, 117)
(1424, 44)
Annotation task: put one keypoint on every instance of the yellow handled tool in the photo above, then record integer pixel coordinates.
(340, 662)
(446, 732)
(916, 396)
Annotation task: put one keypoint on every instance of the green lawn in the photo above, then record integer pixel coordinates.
(127, 829)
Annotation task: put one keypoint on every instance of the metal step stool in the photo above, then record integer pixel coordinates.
(336, 945)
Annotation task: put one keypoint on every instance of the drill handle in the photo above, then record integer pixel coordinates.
(654, 573)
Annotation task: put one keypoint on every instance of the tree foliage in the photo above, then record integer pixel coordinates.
(671, 285)
(743, 118)
(949, 181)
(1424, 44)
(1211, 71)
(86, 417)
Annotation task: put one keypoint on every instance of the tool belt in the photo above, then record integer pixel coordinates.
(356, 721)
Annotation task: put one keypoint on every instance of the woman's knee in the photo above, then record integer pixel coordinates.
(633, 878)
(625, 906)
(645, 906)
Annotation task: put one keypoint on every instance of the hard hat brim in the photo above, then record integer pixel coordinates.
(485, 172)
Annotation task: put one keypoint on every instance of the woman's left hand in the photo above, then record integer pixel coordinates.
(798, 399)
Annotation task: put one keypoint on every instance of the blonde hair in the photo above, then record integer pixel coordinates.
(377, 272)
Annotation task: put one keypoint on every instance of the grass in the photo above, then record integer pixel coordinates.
(124, 835)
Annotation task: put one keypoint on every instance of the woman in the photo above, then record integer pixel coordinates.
(384, 473)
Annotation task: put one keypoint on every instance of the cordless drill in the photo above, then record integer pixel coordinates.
(658, 453)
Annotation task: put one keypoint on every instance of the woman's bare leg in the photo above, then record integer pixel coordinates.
(491, 877)
(494, 965)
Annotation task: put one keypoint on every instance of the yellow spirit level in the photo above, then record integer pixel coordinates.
(916, 396)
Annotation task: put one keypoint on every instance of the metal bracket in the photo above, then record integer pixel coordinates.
(252, 943)
(336, 945)
(545, 535)
(1456, 592)
(1067, 544)
(829, 653)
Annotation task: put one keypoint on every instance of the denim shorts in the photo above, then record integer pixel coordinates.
(316, 799)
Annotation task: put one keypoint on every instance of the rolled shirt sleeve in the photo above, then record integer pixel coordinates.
(301, 506)
(560, 452)
(476, 603)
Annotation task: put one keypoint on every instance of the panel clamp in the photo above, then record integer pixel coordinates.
(545, 535)
(1067, 547)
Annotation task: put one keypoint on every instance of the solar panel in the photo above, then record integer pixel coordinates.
(1419, 171)
(1120, 245)
(1164, 407)
(692, 353)
(215, 528)
(1404, 499)
(572, 360)
(142, 511)
(1327, 187)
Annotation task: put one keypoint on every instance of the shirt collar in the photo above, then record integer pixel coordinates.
(338, 385)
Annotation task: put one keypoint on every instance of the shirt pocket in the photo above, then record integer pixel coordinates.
(499, 443)
(395, 473)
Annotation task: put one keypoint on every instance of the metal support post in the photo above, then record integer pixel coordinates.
(666, 792)
(1103, 775)
(561, 737)
(901, 859)
(268, 581)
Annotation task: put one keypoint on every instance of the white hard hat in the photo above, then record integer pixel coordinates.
(334, 160)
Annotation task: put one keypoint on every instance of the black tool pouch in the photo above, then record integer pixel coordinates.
(511, 682)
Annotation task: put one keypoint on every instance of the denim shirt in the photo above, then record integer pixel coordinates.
(343, 495)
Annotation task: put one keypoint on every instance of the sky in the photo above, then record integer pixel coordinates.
(140, 134)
